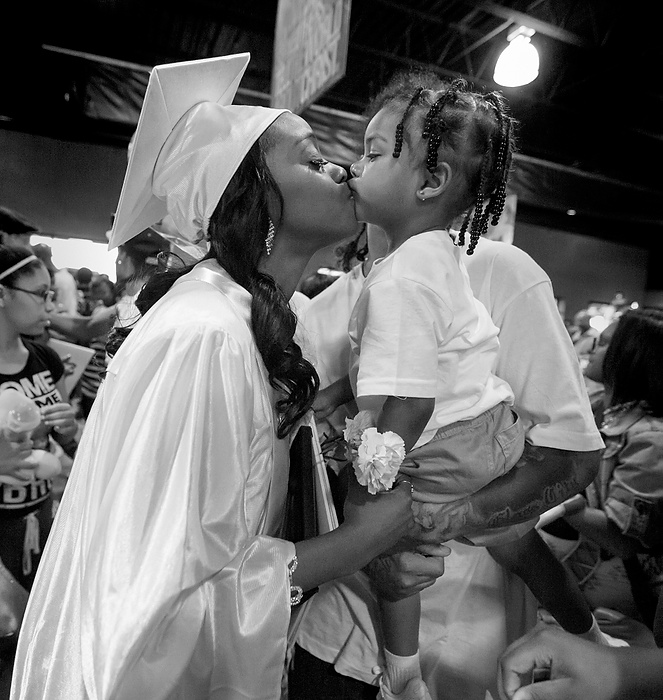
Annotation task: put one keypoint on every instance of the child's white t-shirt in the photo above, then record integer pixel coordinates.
(417, 331)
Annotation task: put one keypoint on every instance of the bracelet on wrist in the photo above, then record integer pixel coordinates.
(296, 592)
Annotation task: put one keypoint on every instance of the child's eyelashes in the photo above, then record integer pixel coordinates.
(319, 163)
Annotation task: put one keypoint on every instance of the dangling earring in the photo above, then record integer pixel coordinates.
(269, 239)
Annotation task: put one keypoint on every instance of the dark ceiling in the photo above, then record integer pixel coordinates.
(595, 108)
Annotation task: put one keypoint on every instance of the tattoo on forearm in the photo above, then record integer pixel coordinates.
(556, 493)
(552, 495)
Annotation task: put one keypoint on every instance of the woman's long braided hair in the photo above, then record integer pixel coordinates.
(237, 231)
(472, 131)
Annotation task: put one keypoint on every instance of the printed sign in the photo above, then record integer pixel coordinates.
(310, 50)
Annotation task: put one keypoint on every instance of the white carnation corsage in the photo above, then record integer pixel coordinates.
(376, 457)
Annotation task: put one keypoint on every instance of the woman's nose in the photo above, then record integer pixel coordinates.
(337, 172)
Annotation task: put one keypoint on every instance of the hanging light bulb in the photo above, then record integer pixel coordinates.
(518, 64)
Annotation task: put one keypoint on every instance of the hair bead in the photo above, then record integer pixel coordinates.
(400, 127)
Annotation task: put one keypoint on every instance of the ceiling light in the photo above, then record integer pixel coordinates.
(518, 64)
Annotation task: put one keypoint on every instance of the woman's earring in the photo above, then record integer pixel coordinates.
(269, 239)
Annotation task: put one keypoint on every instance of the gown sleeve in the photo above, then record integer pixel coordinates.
(158, 561)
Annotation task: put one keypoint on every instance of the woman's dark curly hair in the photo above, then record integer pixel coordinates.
(237, 231)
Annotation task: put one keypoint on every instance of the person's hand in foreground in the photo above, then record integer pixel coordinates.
(551, 664)
(562, 666)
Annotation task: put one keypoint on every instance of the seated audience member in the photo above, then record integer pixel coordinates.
(618, 555)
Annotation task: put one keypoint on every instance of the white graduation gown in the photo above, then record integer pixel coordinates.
(160, 579)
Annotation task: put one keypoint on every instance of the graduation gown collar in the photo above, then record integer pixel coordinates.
(211, 272)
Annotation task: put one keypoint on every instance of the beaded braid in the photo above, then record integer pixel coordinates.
(500, 145)
(463, 229)
(400, 127)
(501, 166)
(433, 128)
(480, 217)
(434, 139)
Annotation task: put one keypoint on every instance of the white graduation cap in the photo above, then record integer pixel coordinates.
(188, 144)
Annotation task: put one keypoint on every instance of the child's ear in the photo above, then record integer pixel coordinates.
(435, 183)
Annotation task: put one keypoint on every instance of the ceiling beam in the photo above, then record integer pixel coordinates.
(551, 30)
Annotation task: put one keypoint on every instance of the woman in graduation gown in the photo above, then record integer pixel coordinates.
(164, 577)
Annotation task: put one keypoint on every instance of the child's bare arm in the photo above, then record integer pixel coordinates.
(406, 416)
(332, 397)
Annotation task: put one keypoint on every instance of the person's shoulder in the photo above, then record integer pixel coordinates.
(505, 259)
(501, 252)
(196, 309)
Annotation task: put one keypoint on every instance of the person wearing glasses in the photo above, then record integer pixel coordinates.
(34, 369)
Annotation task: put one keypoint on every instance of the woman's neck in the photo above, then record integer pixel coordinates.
(286, 267)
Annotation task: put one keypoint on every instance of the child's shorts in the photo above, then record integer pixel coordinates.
(462, 458)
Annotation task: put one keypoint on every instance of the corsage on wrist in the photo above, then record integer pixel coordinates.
(376, 457)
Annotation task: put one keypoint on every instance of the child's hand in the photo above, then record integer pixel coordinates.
(61, 418)
(325, 403)
(331, 397)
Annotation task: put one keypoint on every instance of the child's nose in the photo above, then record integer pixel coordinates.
(338, 172)
(355, 170)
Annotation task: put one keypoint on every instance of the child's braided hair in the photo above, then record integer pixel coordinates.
(472, 131)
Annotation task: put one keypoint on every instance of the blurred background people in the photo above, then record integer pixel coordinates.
(137, 260)
(614, 544)
(584, 337)
(15, 229)
(63, 282)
